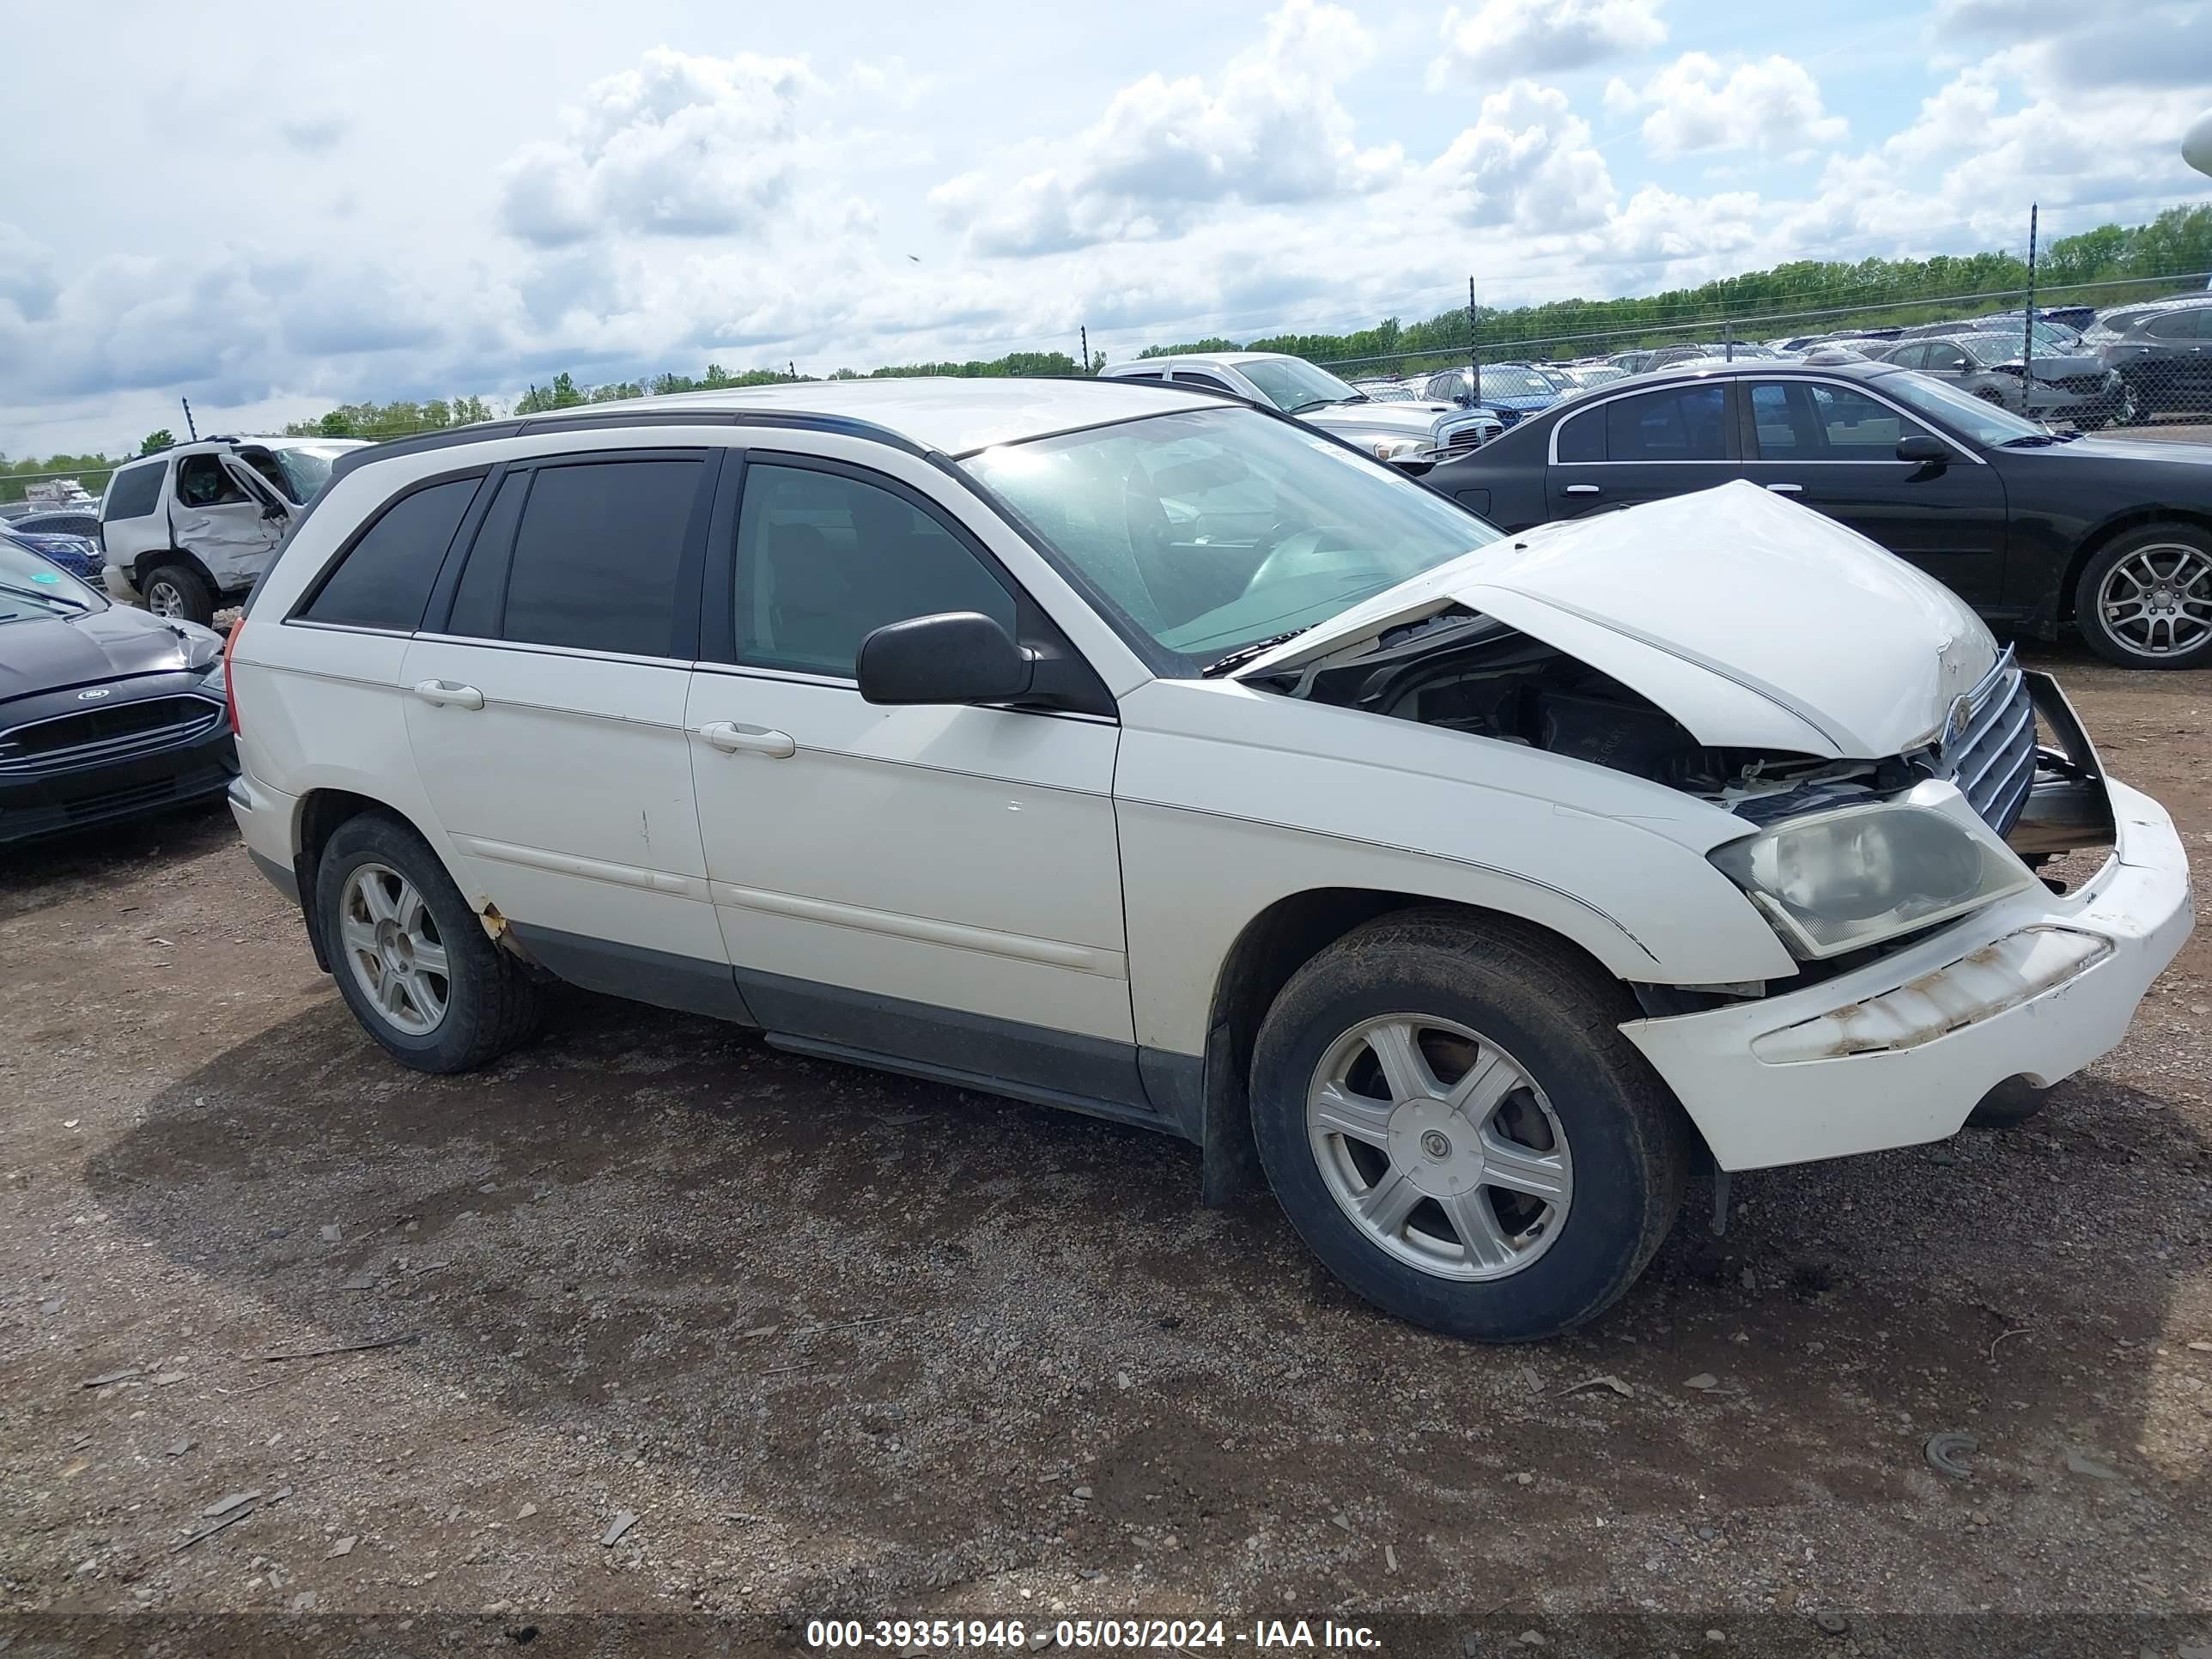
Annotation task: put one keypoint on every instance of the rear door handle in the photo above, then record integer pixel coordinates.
(446, 694)
(1787, 490)
(734, 740)
(1580, 490)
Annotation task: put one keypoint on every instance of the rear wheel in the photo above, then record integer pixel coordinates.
(410, 957)
(180, 593)
(1453, 1123)
(2145, 601)
(2012, 1102)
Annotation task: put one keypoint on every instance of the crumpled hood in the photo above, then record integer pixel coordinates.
(1754, 622)
(51, 654)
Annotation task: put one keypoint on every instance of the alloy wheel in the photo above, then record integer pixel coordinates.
(391, 942)
(1439, 1146)
(163, 600)
(2157, 602)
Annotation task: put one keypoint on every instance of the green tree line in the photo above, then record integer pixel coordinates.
(2145, 258)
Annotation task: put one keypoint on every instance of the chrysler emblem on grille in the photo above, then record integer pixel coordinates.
(94, 695)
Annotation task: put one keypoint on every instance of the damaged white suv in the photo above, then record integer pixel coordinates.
(1115, 748)
(187, 529)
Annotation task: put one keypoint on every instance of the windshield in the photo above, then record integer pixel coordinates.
(1293, 384)
(1220, 528)
(1963, 412)
(1989, 348)
(1507, 380)
(34, 586)
(307, 469)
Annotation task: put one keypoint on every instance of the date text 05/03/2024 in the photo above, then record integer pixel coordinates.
(1073, 1634)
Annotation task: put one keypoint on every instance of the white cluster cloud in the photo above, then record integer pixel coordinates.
(1271, 132)
(1526, 164)
(1500, 39)
(680, 146)
(1769, 105)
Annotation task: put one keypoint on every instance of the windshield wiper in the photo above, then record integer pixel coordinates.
(2028, 441)
(43, 598)
(1244, 653)
(1311, 403)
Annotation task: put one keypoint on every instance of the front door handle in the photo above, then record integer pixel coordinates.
(734, 740)
(1582, 490)
(1787, 490)
(446, 694)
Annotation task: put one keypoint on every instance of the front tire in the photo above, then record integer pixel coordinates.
(409, 957)
(2145, 601)
(1448, 1114)
(2010, 1104)
(178, 592)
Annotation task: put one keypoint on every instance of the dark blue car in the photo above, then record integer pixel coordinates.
(78, 555)
(1513, 390)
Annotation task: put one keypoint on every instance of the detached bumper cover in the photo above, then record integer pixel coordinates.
(1897, 1053)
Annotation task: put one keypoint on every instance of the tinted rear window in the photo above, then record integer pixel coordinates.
(133, 491)
(1684, 425)
(596, 556)
(384, 580)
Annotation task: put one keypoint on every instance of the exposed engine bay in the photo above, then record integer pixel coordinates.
(1468, 673)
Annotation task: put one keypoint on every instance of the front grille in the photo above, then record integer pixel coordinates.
(1468, 437)
(1992, 759)
(106, 734)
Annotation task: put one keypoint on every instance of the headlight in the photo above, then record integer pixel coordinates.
(1388, 449)
(1835, 881)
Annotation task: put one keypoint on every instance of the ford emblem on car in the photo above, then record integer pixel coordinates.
(92, 696)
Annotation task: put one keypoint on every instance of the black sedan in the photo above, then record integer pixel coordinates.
(2039, 530)
(106, 712)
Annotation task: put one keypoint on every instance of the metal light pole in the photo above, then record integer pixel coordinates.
(2027, 324)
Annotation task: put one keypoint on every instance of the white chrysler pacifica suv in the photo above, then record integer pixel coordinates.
(1119, 748)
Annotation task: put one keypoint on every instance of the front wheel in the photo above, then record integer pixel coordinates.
(1448, 1114)
(409, 957)
(2145, 601)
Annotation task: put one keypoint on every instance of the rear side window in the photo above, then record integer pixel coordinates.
(1679, 425)
(384, 580)
(133, 491)
(1582, 438)
(596, 556)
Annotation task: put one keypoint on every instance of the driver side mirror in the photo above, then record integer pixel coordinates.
(954, 657)
(1922, 450)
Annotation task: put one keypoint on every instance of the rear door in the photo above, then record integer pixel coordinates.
(1642, 447)
(1832, 445)
(545, 711)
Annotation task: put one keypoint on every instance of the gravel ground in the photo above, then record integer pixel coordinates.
(843, 1343)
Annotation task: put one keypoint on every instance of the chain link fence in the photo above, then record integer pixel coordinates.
(2132, 355)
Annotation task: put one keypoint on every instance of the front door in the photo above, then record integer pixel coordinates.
(935, 884)
(217, 515)
(1641, 448)
(546, 715)
(1833, 446)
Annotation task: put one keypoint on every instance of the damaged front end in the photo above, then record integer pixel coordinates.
(1467, 672)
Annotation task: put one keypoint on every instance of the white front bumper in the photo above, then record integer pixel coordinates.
(1897, 1053)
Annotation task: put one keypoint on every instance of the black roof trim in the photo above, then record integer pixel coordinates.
(536, 425)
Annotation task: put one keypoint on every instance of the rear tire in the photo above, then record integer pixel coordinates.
(1488, 1006)
(2117, 600)
(2008, 1105)
(177, 590)
(478, 1003)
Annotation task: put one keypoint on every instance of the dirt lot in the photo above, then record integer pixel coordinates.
(844, 1343)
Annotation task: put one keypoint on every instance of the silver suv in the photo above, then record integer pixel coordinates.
(1392, 431)
(189, 528)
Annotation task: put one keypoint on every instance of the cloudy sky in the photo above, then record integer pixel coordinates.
(411, 200)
